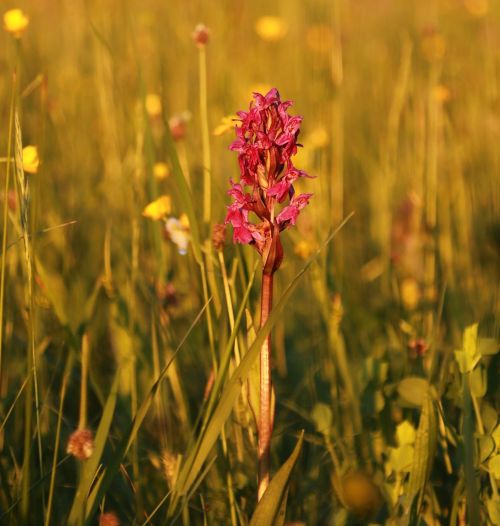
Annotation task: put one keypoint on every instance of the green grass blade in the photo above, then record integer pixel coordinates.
(91, 465)
(195, 460)
(129, 437)
(271, 509)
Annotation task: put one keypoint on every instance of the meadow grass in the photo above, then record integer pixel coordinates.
(132, 323)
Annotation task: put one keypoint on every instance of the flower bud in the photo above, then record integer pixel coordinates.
(81, 444)
(109, 519)
(201, 35)
(219, 236)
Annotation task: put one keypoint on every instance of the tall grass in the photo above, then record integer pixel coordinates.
(384, 335)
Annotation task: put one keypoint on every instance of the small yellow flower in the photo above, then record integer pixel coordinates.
(159, 208)
(271, 28)
(304, 249)
(161, 171)
(410, 293)
(15, 22)
(30, 159)
(318, 138)
(478, 8)
(184, 221)
(441, 93)
(226, 124)
(153, 104)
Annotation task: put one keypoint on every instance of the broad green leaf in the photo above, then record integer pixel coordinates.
(496, 436)
(478, 382)
(469, 356)
(413, 390)
(405, 433)
(493, 507)
(90, 466)
(494, 466)
(401, 458)
(486, 447)
(271, 509)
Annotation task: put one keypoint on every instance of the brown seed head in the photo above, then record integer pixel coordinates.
(201, 35)
(219, 236)
(109, 519)
(81, 444)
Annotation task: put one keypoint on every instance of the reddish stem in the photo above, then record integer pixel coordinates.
(265, 417)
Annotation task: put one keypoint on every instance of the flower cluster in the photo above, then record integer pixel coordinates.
(266, 142)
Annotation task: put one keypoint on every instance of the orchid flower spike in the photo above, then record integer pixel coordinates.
(266, 142)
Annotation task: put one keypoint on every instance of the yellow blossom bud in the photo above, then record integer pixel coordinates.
(159, 208)
(30, 159)
(271, 28)
(15, 22)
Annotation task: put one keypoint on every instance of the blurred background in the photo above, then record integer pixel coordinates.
(401, 126)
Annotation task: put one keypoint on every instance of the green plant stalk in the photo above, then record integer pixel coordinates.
(471, 489)
(82, 422)
(207, 190)
(5, 219)
(265, 419)
(58, 438)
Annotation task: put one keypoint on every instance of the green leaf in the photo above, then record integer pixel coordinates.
(232, 389)
(486, 447)
(405, 433)
(90, 466)
(413, 390)
(478, 382)
(401, 458)
(271, 509)
(425, 449)
(131, 433)
(469, 356)
(493, 507)
(494, 466)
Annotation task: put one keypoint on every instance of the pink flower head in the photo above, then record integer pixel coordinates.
(266, 141)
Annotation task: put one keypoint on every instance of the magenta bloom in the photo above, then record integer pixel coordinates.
(266, 142)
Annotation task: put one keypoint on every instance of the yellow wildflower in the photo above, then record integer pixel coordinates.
(15, 22)
(161, 171)
(304, 249)
(271, 28)
(318, 138)
(153, 104)
(441, 93)
(159, 208)
(410, 293)
(477, 8)
(184, 221)
(226, 124)
(30, 159)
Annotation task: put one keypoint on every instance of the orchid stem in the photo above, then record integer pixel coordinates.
(265, 413)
